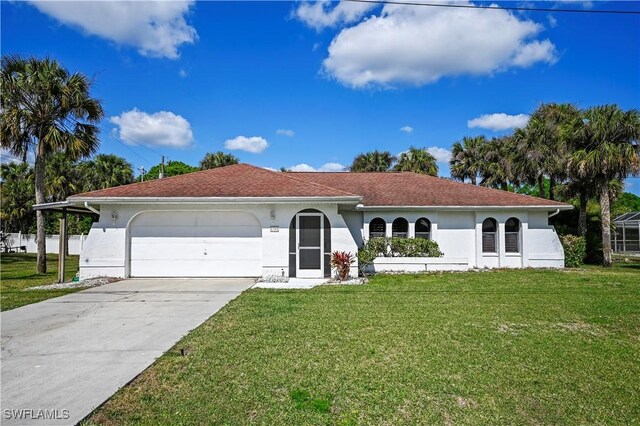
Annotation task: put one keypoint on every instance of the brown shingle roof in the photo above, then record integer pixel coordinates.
(411, 189)
(376, 189)
(240, 180)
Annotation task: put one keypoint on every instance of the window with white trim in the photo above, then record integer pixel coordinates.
(377, 228)
(512, 235)
(400, 228)
(489, 235)
(423, 228)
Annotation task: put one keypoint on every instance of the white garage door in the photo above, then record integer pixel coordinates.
(196, 244)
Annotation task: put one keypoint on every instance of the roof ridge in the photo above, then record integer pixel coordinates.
(164, 179)
(288, 174)
(456, 182)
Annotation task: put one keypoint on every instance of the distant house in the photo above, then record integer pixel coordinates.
(246, 221)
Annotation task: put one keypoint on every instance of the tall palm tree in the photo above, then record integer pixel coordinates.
(418, 161)
(106, 171)
(466, 158)
(497, 166)
(374, 161)
(217, 159)
(534, 147)
(62, 177)
(16, 200)
(46, 109)
(606, 149)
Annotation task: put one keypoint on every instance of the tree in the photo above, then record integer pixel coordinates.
(418, 161)
(217, 159)
(62, 177)
(172, 168)
(606, 149)
(47, 109)
(16, 190)
(374, 161)
(497, 168)
(467, 158)
(542, 146)
(106, 171)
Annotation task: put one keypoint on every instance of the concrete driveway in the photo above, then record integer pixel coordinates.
(63, 357)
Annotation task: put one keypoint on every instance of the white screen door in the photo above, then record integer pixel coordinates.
(310, 259)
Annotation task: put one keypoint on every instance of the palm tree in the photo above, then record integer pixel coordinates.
(62, 177)
(466, 158)
(47, 109)
(217, 159)
(374, 161)
(418, 161)
(16, 190)
(106, 171)
(533, 150)
(606, 149)
(497, 166)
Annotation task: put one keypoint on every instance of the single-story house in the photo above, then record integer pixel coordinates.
(247, 221)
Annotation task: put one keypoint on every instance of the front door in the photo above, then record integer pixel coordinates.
(310, 245)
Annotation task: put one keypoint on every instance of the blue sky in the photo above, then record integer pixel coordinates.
(310, 85)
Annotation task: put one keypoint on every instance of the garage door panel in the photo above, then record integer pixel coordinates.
(180, 230)
(195, 218)
(195, 268)
(195, 244)
(167, 248)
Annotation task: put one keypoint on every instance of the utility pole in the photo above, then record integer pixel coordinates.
(142, 172)
(161, 168)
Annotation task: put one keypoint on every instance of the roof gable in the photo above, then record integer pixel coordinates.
(239, 180)
(412, 189)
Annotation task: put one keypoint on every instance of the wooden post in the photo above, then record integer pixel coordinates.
(62, 246)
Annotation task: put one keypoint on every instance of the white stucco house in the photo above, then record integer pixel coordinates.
(246, 221)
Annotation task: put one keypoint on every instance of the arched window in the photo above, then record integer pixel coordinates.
(423, 228)
(400, 228)
(489, 233)
(377, 228)
(512, 235)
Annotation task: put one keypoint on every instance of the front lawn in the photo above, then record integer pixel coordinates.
(503, 347)
(18, 271)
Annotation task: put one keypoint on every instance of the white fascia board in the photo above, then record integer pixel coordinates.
(215, 200)
(468, 208)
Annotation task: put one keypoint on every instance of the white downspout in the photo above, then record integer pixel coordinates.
(93, 209)
(550, 214)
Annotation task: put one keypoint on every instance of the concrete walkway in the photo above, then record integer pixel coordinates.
(63, 357)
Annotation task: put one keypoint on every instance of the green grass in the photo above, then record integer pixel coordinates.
(503, 347)
(18, 271)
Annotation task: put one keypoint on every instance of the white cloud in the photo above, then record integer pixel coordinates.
(553, 22)
(441, 155)
(420, 45)
(254, 144)
(327, 167)
(155, 28)
(302, 167)
(321, 14)
(7, 157)
(182, 73)
(162, 128)
(406, 129)
(285, 132)
(499, 121)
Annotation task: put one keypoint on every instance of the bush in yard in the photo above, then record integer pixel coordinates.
(342, 261)
(366, 255)
(575, 250)
(414, 247)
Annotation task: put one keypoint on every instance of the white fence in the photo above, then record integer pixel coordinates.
(29, 241)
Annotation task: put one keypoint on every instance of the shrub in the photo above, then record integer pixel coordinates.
(414, 247)
(366, 255)
(342, 261)
(397, 247)
(575, 250)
